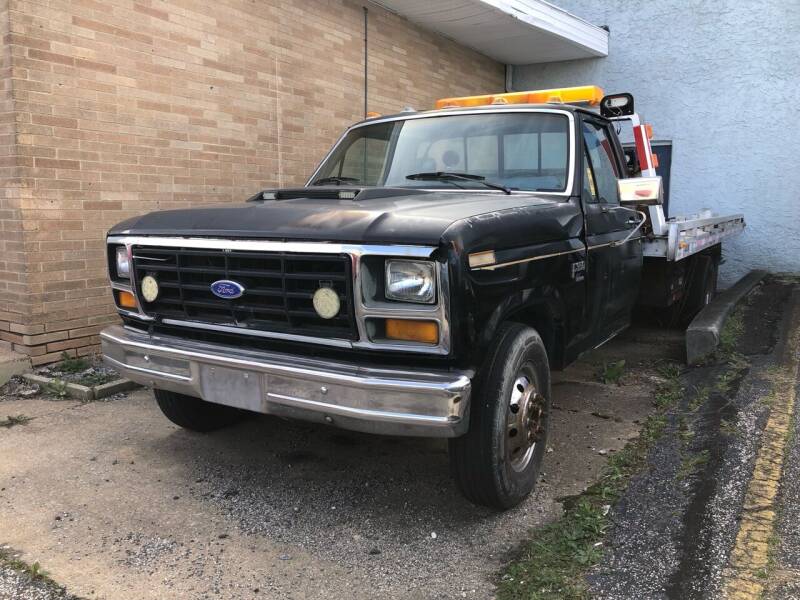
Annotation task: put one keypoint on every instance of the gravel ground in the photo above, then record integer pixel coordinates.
(129, 506)
(16, 585)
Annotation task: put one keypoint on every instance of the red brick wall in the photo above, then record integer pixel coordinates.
(126, 106)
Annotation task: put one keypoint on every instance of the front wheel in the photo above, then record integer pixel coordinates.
(196, 414)
(497, 462)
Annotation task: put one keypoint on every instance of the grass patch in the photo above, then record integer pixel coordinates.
(669, 391)
(728, 427)
(12, 420)
(691, 464)
(731, 331)
(611, 373)
(71, 364)
(554, 562)
(96, 379)
(700, 397)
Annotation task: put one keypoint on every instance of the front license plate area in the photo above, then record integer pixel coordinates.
(231, 387)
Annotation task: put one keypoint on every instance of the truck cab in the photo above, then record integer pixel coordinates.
(432, 271)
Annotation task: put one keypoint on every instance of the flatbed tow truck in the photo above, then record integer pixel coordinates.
(425, 281)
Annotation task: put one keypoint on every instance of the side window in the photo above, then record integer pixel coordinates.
(602, 163)
(589, 186)
(364, 158)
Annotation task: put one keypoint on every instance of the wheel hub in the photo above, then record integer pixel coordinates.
(525, 425)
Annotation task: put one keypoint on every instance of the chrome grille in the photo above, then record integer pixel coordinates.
(278, 288)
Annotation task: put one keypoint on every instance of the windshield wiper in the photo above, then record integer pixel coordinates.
(448, 175)
(336, 180)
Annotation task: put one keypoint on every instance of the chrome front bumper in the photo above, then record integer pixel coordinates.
(375, 400)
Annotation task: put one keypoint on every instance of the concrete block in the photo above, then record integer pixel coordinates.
(114, 387)
(80, 392)
(703, 333)
(74, 390)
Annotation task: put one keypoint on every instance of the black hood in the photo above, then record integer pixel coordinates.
(378, 215)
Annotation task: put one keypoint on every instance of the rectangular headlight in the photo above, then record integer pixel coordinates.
(410, 281)
(123, 263)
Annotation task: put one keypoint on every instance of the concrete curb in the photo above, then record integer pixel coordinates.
(73, 390)
(702, 335)
(114, 387)
(82, 392)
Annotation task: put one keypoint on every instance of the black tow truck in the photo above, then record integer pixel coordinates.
(425, 281)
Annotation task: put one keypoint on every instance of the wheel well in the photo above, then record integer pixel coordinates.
(545, 324)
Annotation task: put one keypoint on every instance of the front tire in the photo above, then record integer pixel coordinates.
(196, 414)
(497, 462)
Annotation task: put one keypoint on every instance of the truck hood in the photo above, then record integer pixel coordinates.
(376, 215)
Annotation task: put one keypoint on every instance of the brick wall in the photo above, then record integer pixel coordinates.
(11, 265)
(122, 107)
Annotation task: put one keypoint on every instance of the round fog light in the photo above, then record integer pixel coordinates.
(149, 288)
(326, 303)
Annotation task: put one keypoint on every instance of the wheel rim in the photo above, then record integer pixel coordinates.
(525, 423)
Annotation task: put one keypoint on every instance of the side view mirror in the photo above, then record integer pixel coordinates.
(641, 191)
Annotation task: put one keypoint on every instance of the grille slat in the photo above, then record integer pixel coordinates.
(278, 296)
(245, 273)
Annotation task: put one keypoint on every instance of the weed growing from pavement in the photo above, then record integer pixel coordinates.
(57, 388)
(33, 572)
(612, 372)
(12, 420)
(554, 563)
(728, 427)
(691, 464)
(731, 331)
(701, 395)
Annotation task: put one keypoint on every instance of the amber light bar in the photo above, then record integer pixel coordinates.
(584, 94)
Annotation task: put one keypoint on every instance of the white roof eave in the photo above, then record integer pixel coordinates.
(510, 31)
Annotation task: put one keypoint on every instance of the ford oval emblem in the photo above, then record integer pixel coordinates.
(227, 289)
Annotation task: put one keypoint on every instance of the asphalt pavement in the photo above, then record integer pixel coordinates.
(700, 522)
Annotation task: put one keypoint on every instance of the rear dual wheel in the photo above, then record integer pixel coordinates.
(497, 462)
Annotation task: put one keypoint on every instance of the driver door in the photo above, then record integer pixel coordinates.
(614, 269)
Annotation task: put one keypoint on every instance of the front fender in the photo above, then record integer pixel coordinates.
(539, 307)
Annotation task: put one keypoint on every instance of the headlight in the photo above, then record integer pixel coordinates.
(410, 281)
(123, 264)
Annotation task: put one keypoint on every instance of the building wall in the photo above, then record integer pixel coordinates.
(11, 247)
(126, 106)
(719, 79)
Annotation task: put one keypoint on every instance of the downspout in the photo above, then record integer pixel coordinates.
(509, 78)
(366, 81)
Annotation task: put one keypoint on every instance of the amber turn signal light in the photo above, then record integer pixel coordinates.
(412, 331)
(126, 300)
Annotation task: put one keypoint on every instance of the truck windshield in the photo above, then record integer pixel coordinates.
(522, 151)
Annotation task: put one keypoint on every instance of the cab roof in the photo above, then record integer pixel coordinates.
(473, 109)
